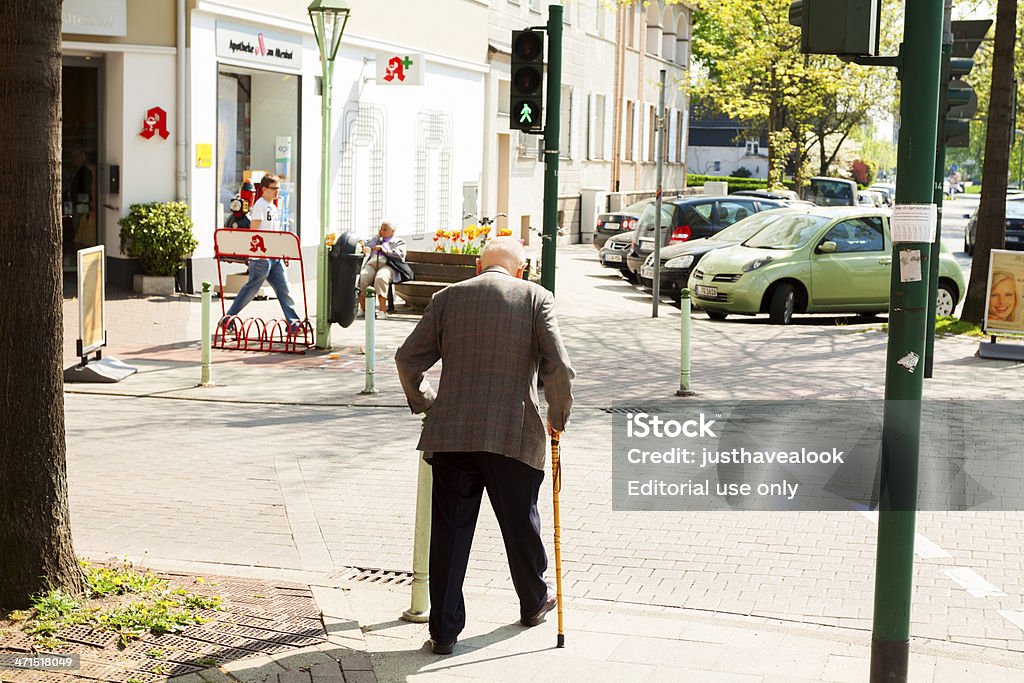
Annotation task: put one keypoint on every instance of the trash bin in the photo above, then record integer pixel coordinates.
(343, 266)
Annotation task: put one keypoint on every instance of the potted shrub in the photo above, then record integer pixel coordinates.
(159, 235)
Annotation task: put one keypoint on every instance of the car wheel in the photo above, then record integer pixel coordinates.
(628, 274)
(783, 304)
(945, 299)
(717, 315)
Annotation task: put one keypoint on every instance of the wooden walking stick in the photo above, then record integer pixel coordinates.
(556, 477)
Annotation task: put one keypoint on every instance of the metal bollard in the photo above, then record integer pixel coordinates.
(371, 343)
(684, 345)
(205, 380)
(419, 611)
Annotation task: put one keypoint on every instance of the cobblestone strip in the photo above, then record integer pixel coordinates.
(309, 540)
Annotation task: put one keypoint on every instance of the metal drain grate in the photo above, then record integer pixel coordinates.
(387, 577)
(632, 409)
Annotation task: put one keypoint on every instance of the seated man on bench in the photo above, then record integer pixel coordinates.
(384, 264)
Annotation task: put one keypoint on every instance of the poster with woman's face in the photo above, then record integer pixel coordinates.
(1003, 305)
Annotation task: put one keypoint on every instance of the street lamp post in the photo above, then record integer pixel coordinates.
(1020, 158)
(329, 18)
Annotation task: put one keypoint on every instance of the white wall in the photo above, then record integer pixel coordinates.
(134, 83)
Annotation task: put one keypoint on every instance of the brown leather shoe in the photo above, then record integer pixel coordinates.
(441, 648)
(549, 604)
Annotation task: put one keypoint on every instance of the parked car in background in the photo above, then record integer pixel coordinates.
(781, 195)
(615, 222)
(679, 260)
(613, 253)
(887, 190)
(687, 218)
(823, 260)
(831, 192)
(870, 198)
(1014, 226)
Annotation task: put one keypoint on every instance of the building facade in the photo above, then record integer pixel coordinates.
(119, 69)
(185, 99)
(612, 55)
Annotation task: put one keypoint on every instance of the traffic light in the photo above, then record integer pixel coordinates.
(837, 27)
(961, 105)
(526, 94)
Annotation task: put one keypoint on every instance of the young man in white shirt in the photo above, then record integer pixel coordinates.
(264, 216)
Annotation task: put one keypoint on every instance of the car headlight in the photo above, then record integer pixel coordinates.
(757, 263)
(680, 262)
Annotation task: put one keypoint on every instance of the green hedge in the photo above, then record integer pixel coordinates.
(693, 180)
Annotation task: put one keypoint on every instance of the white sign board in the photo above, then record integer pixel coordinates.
(400, 68)
(94, 17)
(258, 46)
(91, 295)
(1004, 309)
(242, 243)
(913, 223)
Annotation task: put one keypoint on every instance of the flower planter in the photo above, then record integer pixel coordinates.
(154, 285)
(433, 272)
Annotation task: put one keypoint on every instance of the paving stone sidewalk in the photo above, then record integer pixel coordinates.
(284, 470)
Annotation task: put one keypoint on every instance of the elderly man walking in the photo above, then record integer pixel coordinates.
(494, 334)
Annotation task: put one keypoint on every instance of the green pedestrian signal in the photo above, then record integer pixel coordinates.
(526, 113)
(526, 89)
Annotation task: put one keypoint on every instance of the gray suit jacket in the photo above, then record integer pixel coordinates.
(493, 334)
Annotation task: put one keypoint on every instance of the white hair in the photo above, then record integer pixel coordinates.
(505, 252)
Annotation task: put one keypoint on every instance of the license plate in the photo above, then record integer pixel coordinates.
(647, 272)
(613, 258)
(710, 292)
(1012, 238)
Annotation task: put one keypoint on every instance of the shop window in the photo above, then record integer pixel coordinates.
(258, 133)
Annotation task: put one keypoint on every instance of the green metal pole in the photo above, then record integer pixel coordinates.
(206, 366)
(549, 241)
(940, 167)
(419, 611)
(370, 387)
(684, 344)
(908, 311)
(323, 327)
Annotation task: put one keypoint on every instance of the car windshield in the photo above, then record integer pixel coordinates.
(1015, 209)
(792, 232)
(746, 228)
(647, 218)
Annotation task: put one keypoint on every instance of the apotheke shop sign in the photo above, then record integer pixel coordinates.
(258, 47)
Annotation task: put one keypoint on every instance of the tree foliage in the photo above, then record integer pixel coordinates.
(750, 67)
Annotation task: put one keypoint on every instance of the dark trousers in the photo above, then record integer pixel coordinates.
(512, 487)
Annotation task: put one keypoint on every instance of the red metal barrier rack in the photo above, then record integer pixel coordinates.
(255, 334)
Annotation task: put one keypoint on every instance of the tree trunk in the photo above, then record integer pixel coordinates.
(991, 231)
(36, 551)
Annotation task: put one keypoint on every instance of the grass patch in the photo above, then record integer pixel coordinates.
(121, 599)
(972, 189)
(947, 324)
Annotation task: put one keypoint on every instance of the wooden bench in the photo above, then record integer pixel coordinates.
(433, 272)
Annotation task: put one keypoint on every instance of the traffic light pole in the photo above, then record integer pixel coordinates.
(549, 240)
(908, 307)
(940, 169)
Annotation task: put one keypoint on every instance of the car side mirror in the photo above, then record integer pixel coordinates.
(827, 248)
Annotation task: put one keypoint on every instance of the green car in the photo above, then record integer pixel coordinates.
(820, 260)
